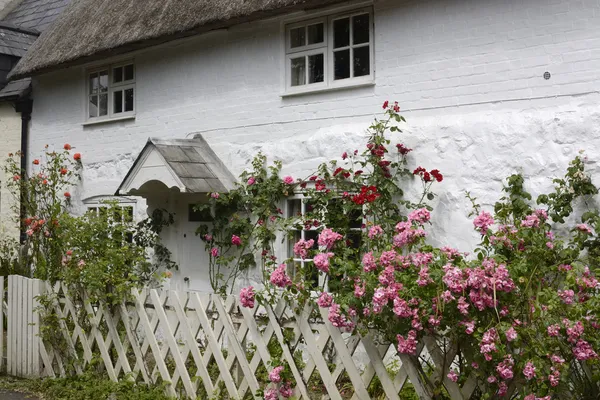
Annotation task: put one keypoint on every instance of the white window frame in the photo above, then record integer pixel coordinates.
(329, 83)
(112, 88)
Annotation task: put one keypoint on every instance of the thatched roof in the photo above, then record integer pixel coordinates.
(95, 29)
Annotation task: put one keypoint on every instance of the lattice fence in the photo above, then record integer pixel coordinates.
(203, 345)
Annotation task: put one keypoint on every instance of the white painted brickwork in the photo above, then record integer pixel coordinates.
(469, 74)
(10, 142)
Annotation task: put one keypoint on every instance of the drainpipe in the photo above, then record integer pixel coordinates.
(24, 107)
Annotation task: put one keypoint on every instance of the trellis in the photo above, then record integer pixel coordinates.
(182, 338)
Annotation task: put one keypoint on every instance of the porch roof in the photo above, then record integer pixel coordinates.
(189, 165)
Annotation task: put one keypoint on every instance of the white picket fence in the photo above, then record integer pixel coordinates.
(183, 338)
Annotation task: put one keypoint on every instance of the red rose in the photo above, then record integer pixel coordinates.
(337, 171)
(386, 104)
(77, 156)
(344, 155)
(63, 171)
(437, 175)
(36, 162)
(67, 195)
(67, 146)
(403, 149)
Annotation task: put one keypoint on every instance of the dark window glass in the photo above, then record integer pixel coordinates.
(93, 83)
(360, 29)
(341, 63)
(341, 32)
(196, 215)
(361, 61)
(314, 235)
(315, 33)
(297, 37)
(93, 106)
(316, 68)
(118, 102)
(299, 71)
(103, 86)
(129, 99)
(118, 74)
(129, 72)
(103, 108)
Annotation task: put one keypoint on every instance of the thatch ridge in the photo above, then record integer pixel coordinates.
(95, 29)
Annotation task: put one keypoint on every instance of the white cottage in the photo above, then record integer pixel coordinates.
(488, 87)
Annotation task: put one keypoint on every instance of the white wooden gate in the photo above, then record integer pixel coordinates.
(22, 333)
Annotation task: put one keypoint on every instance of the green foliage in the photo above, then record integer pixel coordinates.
(89, 386)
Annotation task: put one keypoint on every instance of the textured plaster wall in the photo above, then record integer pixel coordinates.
(467, 73)
(10, 142)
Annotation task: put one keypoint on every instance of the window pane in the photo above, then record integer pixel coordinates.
(315, 33)
(129, 99)
(93, 107)
(103, 108)
(341, 64)
(298, 71)
(297, 37)
(294, 208)
(118, 101)
(118, 74)
(93, 83)
(361, 61)
(103, 86)
(129, 72)
(128, 213)
(360, 29)
(341, 32)
(316, 68)
(314, 235)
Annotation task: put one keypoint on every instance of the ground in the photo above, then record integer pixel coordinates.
(11, 395)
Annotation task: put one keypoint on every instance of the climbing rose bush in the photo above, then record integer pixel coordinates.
(521, 308)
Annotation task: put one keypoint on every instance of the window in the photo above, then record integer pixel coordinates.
(329, 52)
(111, 92)
(300, 206)
(124, 213)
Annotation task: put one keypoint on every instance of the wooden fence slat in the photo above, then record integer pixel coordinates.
(175, 352)
(345, 356)
(2, 318)
(316, 355)
(192, 346)
(212, 343)
(9, 325)
(149, 334)
(377, 362)
(235, 344)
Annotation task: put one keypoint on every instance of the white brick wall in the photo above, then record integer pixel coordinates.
(467, 72)
(10, 142)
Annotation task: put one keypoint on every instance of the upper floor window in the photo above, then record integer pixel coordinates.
(329, 52)
(111, 91)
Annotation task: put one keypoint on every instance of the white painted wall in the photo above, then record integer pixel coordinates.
(467, 73)
(10, 142)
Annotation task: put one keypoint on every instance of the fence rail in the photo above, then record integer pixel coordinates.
(202, 344)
